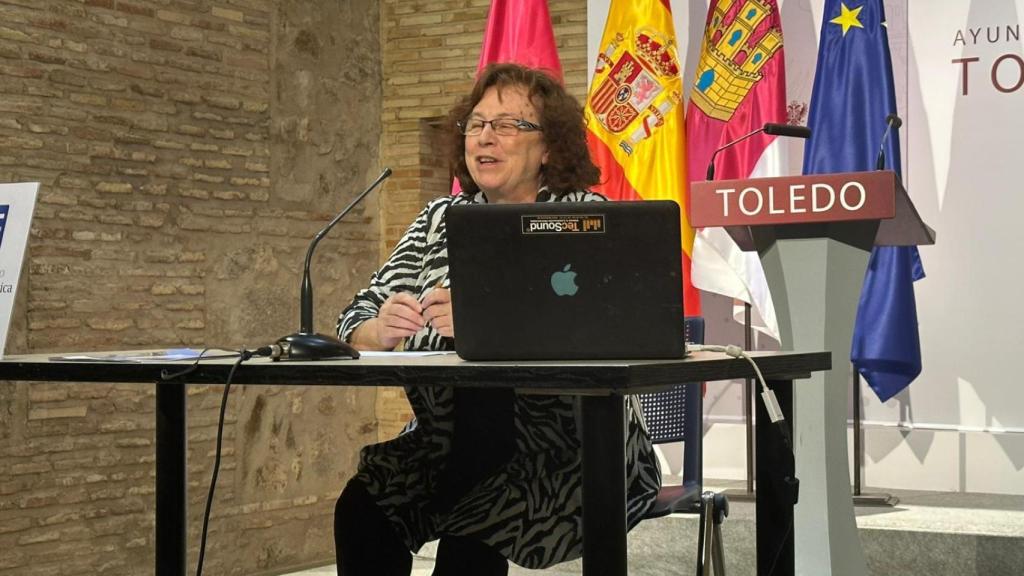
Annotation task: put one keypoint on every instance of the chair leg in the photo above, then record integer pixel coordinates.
(705, 538)
(717, 551)
(710, 548)
(721, 510)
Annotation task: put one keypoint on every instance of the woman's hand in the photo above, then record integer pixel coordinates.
(399, 317)
(437, 311)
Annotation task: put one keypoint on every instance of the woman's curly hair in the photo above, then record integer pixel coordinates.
(569, 167)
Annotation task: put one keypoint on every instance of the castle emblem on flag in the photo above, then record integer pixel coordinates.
(638, 85)
(739, 41)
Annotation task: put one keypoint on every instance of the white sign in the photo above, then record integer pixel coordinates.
(17, 202)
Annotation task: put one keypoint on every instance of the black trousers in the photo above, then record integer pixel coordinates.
(366, 544)
(364, 540)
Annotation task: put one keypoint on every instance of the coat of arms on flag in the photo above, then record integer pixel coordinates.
(739, 40)
(635, 116)
(739, 85)
(638, 84)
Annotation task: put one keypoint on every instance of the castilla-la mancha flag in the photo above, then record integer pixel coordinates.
(635, 122)
(519, 31)
(740, 85)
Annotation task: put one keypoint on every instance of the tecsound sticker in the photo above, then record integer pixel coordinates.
(564, 224)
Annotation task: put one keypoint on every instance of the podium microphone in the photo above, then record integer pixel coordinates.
(891, 121)
(769, 128)
(305, 344)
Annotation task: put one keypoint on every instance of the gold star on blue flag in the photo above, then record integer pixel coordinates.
(848, 18)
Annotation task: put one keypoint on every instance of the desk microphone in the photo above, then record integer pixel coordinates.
(892, 121)
(305, 344)
(769, 128)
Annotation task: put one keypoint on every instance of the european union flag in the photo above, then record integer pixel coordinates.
(853, 93)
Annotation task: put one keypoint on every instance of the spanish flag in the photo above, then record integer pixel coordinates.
(635, 119)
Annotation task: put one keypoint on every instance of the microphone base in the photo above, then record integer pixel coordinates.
(306, 346)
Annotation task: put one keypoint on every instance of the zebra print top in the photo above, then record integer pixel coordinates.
(528, 506)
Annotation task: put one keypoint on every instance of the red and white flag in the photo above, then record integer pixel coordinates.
(519, 31)
(740, 85)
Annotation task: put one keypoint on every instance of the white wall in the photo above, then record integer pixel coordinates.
(960, 425)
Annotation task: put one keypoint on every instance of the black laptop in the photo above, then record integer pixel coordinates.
(566, 280)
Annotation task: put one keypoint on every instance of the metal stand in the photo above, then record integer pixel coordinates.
(860, 499)
(748, 494)
(710, 550)
(748, 395)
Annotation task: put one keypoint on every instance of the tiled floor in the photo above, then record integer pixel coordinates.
(943, 533)
(332, 571)
(423, 567)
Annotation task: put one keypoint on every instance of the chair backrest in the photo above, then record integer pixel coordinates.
(677, 413)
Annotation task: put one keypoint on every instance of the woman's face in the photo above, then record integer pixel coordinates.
(506, 168)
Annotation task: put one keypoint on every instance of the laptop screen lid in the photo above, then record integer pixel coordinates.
(564, 280)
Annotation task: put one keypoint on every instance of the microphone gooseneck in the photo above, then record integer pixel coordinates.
(769, 128)
(892, 121)
(305, 344)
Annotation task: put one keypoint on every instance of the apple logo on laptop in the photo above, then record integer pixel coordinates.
(564, 282)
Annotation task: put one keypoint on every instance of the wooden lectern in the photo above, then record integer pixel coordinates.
(814, 235)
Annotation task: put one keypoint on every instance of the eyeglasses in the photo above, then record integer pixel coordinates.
(501, 126)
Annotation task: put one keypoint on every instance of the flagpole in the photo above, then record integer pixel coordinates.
(747, 494)
(882, 498)
(856, 435)
(748, 391)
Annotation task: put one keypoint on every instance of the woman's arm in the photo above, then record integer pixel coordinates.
(387, 311)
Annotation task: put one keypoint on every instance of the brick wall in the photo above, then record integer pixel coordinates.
(187, 150)
(430, 52)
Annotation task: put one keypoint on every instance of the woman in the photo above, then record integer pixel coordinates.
(493, 475)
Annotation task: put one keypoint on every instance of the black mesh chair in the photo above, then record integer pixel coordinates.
(677, 415)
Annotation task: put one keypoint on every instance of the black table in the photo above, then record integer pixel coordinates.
(602, 386)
